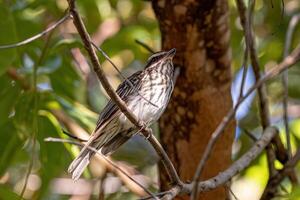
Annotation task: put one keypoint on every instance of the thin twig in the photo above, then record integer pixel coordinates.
(250, 135)
(120, 73)
(74, 137)
(284, 189)
(101, 195)
(244, 22)
(159, 194)
(271, 187)
(41, 34)
(117, 100)
(231, 192)
(292, 24)
(51, 139)
(145, 46)
(35, 111)
(262, 93)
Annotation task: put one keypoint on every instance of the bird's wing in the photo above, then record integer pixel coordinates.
(125, 90)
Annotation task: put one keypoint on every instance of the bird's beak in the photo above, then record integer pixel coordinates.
(171, 53)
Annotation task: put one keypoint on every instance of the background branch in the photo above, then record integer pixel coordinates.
(226, 175)
(37, 36)
(286, 63)
(145, 46)
(35, 112)
(261, 90)
(271, 187)
(292, 24)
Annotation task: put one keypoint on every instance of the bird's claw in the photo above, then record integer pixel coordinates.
(145, 127)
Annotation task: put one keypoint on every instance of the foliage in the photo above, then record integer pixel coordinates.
(27, 114)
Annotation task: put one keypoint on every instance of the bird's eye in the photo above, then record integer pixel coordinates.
(155, 58)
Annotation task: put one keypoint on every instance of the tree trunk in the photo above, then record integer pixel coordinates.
(199, 30)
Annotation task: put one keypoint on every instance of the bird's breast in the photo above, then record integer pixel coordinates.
(152, 99)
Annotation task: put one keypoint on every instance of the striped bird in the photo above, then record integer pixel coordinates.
(146, 93)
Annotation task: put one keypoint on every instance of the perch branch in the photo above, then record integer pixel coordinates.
(117, 100)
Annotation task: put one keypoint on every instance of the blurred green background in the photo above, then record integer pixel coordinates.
(47, 86)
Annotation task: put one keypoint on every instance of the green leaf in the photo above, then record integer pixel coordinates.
(53, 156)
(295, 194)
(7, 194)
(10, 144)
(65, 81)
(7, 36)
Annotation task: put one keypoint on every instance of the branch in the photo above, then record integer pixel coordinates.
(271, 187)
(117, 100)
(244, 22)
(101, 192)
(250, 135)
(285, 64)
(241, 163)
(35, 113)
(261, 90)
(145, 46)
(292, 24)
(226, 175)
(35, 37)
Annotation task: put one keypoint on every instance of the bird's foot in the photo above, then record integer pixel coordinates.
(145, 129)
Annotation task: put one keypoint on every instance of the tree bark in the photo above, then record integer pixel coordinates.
(199, 30)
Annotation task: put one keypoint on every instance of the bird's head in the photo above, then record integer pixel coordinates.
(159, 57)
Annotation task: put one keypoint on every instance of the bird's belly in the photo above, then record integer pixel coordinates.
(148, 106)
(151, 106)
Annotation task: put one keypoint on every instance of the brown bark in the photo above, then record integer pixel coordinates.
(199, 30)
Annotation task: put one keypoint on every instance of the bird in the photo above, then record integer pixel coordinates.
(146, 93)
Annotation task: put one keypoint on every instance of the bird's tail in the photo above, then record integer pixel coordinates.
(103, 142)
(79, 164)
